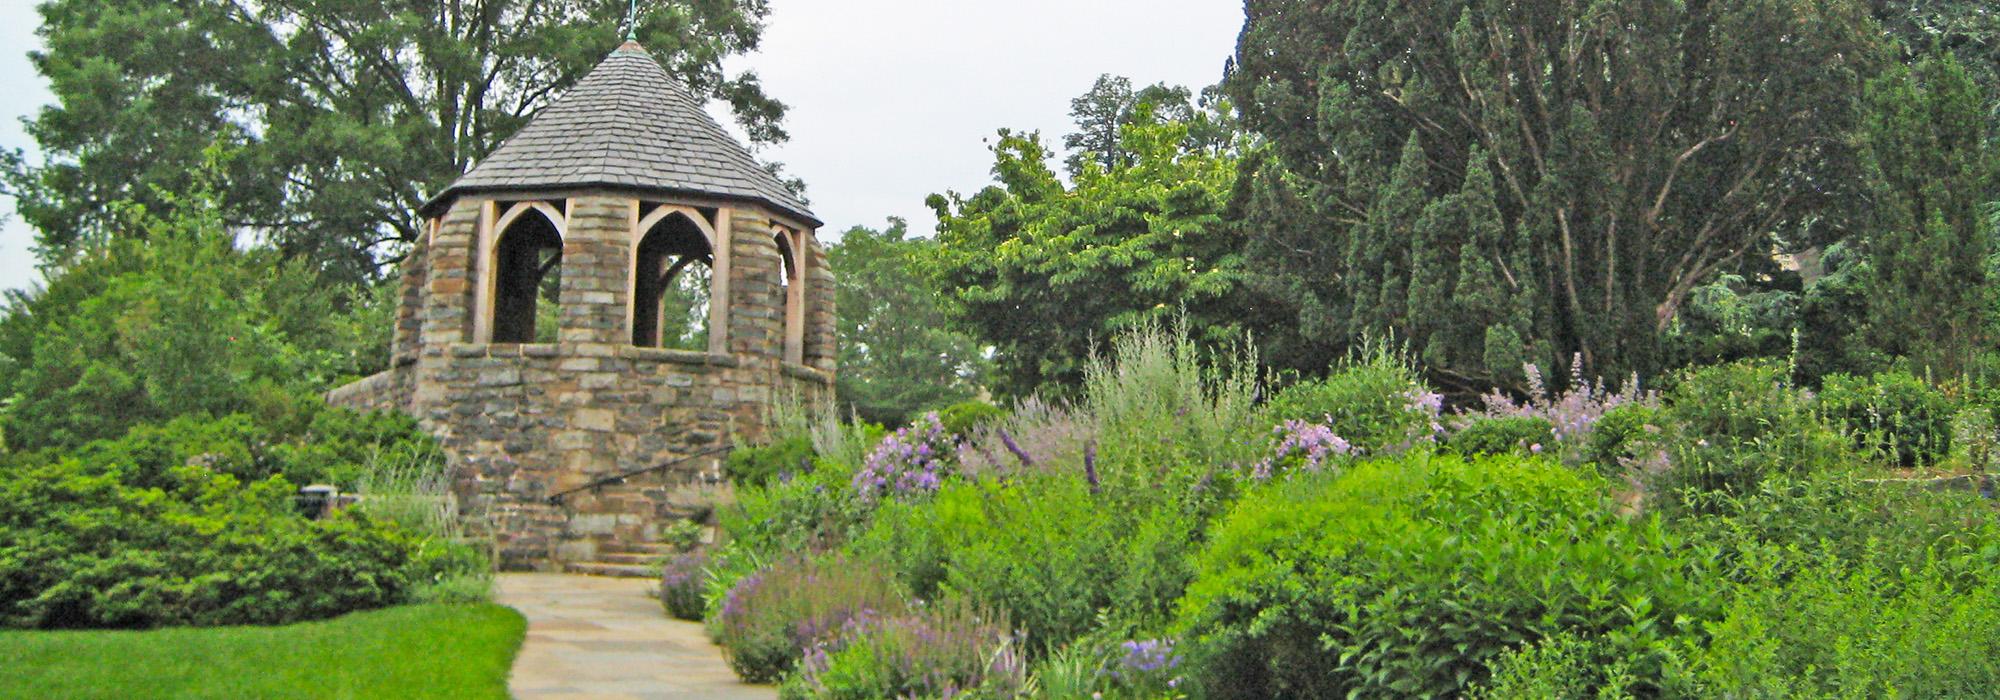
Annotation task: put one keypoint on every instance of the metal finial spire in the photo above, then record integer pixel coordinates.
(632, 22)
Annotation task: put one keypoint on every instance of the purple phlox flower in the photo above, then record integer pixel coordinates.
(1146, 657)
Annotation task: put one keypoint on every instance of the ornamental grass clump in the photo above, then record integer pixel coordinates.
(683, 580)
(912, 461)
(954, 649)
(770, 617)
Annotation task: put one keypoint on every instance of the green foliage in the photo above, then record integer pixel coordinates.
(1498, 436)
(83, 550)
(1407, 577)
(1045, 551)
(1561, 666)
(961, 418)
(1624, 437)
(1042, 271)
(1893, 414)
(1738, 424)
(1375, 402)
(1853, 630)
(1932, 168)
(1633, 152)
(348, 113)
(183, 323)
(758, 465)
(770, 617)
(898, 353)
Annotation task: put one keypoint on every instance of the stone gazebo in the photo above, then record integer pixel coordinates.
(607, 217)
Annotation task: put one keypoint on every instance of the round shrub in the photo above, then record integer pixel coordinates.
(1893, 414)
(1735, 425)
(960, 419)
(78, 548)
(683, 580)
(770, 617)
(1378, 404)
(761, 464)
(1494, 436)
(1402, 578)
(1624, 437)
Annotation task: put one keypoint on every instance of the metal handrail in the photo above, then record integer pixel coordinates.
(556, 499)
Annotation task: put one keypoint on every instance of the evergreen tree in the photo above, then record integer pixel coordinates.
(1931, 172)
(1636, 150)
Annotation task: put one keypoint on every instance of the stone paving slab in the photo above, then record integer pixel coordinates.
(603, 638)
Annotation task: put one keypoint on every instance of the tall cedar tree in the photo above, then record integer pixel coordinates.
(1636, 148)
(1931, 170)
(347, 113)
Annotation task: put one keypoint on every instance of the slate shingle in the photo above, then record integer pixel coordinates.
(630, 124)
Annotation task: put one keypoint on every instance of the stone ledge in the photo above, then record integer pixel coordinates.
(811, 374)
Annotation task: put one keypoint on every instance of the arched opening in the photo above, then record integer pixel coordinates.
(670, 288)
(527, 279)
(791, 293)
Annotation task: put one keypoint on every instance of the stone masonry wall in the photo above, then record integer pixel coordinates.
(521, 423)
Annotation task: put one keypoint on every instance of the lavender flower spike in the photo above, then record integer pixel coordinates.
(1015, 448)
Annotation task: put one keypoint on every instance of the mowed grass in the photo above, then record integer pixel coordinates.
(425, 651)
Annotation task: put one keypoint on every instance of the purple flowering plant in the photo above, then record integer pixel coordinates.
(683, 580)
(770, 618)
(1571, 414)
(1146, 668)
(950, 650)
(912, 461)
(1302, 446)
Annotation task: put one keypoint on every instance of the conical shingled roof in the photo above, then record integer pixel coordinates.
(627, 124)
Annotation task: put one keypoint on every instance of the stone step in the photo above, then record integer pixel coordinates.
(652, 549)
(598, 568)
(653, 560)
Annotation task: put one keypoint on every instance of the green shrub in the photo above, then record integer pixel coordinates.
(1626, 437)
(1853, 629)
(1495, 436)
(960, 419)
(1844, 517)
(683, 579)
(943, 650)
(770, 617)
(1408, 577)
(1376, 402)
(1893, 414)
(811, 513)
(1562, 666)
(80, 549)
(1734, 426)
(762, 464)
(1042, 550)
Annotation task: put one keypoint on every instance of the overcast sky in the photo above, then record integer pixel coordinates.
(891, 100)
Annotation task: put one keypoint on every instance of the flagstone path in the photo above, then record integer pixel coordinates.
(591, 637)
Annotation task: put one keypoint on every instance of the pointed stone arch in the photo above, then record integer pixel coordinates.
(673, 252)
(525, 247)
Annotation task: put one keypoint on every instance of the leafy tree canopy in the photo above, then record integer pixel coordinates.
(184, 323)
(899, 353)
(1634, 150)
(1042, 270)
(347, 112)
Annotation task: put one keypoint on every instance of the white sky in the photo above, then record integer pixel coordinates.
(891, 100)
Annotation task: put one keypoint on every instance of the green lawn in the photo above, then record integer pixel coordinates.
(428, 651)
